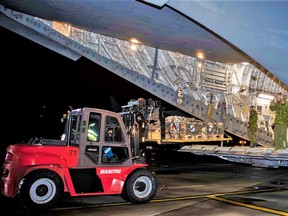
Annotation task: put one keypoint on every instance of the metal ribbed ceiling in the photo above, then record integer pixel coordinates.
(224, 31)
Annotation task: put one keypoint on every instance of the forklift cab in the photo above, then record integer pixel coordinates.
(100, 136)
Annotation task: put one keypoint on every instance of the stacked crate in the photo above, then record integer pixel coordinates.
(195, 129)
(182, 128)
(175, 127)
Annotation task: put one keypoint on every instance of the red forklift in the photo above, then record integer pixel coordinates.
(93, 157)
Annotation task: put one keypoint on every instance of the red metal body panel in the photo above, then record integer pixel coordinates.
(34, 157)
(112, 178)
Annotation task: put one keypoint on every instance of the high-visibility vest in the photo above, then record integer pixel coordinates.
(92, 135)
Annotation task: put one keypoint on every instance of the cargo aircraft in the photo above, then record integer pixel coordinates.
(211, 59)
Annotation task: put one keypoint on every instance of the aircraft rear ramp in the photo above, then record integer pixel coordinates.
(260, 157)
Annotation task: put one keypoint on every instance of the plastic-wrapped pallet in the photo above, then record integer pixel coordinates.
(175, 127)
(195, 129)
(182, 128)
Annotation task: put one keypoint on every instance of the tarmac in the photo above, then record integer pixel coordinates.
(188, 185)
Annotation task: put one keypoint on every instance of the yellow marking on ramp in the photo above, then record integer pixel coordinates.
(259, 208)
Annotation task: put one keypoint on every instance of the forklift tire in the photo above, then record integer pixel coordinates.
(40, 190)
(140, 187)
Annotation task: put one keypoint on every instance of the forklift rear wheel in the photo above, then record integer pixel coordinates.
(40, 190)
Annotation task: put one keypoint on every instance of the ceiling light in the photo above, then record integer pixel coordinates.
(200, 55)
(134, 40)
(245, 63)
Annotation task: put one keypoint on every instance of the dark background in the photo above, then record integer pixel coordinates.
(38, 85)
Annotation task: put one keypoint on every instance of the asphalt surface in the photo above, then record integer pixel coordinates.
(188, 185)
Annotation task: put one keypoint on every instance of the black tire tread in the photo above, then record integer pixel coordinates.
(128, 194)
(23, 193)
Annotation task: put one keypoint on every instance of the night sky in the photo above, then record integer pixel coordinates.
(38, 85)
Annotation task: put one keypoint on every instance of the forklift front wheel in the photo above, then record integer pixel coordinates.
(140, 187)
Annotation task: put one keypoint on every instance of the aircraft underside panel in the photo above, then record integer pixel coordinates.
(191, 84)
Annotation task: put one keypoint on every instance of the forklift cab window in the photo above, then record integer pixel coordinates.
(111, 154)
(94, 127)
(75, 129)
(113, 131)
